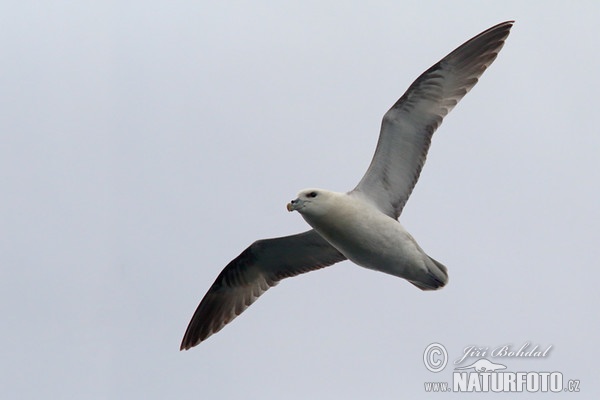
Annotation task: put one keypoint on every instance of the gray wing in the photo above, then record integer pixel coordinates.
(407, 127)
(249, 275)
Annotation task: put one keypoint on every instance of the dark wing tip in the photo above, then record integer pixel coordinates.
(236, 287)
(219, 307)
(482, 49)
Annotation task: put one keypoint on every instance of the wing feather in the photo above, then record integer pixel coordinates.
(261, 266)
(408, 126)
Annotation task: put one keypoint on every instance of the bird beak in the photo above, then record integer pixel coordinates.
(295, 205)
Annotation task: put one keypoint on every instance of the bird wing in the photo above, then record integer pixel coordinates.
(408, 126)
(261, 266)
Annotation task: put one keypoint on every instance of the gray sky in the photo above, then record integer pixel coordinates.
(146, 145)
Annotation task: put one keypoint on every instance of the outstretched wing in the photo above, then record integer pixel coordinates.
(244, 279)
(407, 127)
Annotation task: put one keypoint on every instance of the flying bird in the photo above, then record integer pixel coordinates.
(361, 225)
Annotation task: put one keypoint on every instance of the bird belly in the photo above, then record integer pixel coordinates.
(376, 241)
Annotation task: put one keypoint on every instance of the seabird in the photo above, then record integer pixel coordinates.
(361, 225)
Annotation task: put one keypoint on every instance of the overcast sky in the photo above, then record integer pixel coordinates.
(144, 145)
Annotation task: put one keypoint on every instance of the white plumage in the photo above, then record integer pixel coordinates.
(354, 225)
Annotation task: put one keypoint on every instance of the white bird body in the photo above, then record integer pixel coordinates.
(352, 224)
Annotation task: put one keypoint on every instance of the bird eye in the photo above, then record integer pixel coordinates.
(312, 194)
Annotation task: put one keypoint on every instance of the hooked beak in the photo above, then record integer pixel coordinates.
(295, 204)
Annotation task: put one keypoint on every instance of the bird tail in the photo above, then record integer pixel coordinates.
(434, 278)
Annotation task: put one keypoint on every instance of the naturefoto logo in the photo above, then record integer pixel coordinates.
(483, 365)
(474, 370)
